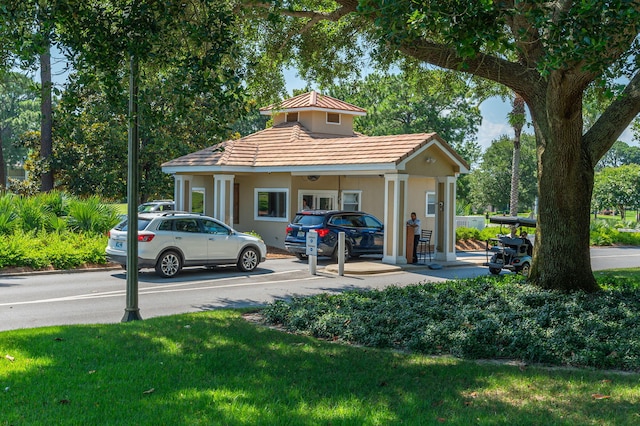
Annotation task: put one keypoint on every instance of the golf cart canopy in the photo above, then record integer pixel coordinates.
(513, 221)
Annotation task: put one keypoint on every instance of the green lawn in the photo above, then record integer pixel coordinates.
(216, 368)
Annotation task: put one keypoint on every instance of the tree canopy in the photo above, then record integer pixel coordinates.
(617, 188)
(189, 87)
(549, 53)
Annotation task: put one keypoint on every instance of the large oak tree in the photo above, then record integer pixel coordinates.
(547, 52)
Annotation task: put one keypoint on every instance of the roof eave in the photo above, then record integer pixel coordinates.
(344, 169)
(302, 109)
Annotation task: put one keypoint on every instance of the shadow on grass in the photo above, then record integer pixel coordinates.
(216, 368)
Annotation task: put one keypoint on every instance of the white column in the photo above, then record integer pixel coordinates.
(223, 198)
(182, 192)
(395, 207)
(177, 191)
(446, 242)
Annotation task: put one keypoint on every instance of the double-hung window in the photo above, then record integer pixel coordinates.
(430, 209)
(351, 200)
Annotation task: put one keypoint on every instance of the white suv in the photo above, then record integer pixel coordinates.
(171, 240)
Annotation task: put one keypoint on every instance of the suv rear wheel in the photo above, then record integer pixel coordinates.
(169, 264)
(347, 252)
(248, 260)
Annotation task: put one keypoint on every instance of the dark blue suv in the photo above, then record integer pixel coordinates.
(364, 233)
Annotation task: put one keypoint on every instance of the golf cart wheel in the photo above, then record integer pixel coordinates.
(169, 264)
(494, 271)
(249, 260)
(526, 269)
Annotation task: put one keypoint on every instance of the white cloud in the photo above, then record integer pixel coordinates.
(490, 131)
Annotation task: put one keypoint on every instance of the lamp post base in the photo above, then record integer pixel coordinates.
(131, 315)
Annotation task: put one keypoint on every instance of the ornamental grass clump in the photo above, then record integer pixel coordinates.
(487, 317)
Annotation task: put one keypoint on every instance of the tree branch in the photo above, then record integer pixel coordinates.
(515, 76)
(347, 7)
(525, 35)
(615, 119)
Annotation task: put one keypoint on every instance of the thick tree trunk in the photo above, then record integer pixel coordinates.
(565, 185)
(46, 124)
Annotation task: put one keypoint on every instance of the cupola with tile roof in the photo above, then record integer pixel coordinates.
(317, 112)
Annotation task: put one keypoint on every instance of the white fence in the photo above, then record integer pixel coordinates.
(470, 222)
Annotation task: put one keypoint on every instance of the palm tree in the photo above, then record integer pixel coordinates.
(516, 120)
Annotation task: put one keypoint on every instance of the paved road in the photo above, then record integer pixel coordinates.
(34, 300)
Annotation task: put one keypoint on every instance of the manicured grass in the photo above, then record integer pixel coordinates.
(120, 208)
(216, 368)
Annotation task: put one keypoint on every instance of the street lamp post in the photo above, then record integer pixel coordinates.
(132, 312)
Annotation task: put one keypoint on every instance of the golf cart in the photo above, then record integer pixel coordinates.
(507, 252)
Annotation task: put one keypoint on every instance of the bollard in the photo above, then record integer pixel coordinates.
(341, 253)
(312, 251)
(313, 263)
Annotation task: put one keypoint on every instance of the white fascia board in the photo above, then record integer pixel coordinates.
(403, 164)
(343, 169)
(303, 109)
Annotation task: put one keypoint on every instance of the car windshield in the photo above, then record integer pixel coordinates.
(308, 220)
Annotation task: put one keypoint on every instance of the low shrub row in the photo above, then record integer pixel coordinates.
(54, 212)
(60, 250)
(486, 317)
(602, 233)
(53, 230)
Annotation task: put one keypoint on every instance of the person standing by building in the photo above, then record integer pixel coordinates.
(414, 223)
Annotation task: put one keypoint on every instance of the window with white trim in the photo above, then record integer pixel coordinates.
(333, 118)
(271, 204)
(351, 200)
(430, 199)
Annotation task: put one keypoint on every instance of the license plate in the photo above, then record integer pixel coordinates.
(301, 234)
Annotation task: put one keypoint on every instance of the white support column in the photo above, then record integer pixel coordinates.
(446, 238)
(182, 192)
(177, 191)
(223, 198)
(395, 207)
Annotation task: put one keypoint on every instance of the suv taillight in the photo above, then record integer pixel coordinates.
(289, 229)
(145, 238)
(322, 232)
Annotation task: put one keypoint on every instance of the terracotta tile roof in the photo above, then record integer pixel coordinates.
(312, 100)
(292, 145)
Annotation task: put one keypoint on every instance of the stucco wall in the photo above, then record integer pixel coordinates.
(316, 121)
(431, 162)
(271, 231)
(417, 201)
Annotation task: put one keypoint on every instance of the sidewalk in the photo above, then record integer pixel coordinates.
(375, 266)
